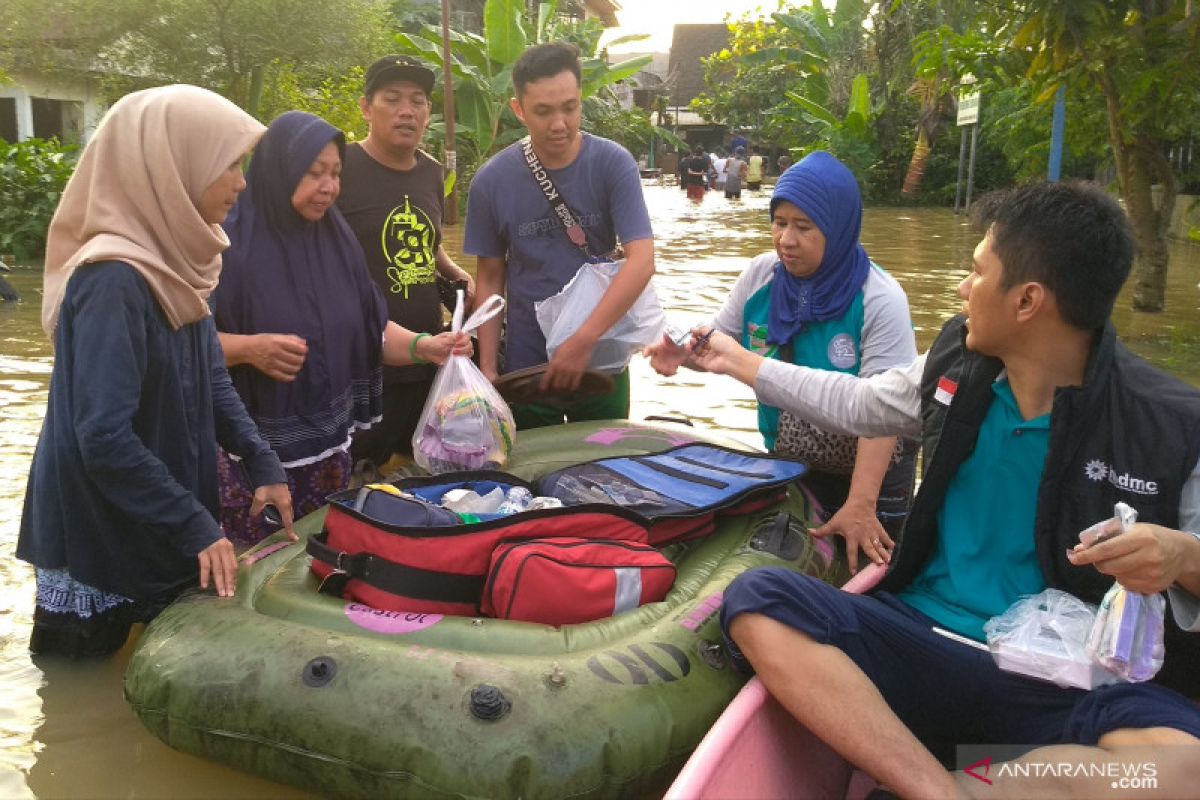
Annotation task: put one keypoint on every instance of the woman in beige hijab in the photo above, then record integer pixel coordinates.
(120, 509)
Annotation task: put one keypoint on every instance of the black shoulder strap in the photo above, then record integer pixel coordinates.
(397, 579)
(571, 225)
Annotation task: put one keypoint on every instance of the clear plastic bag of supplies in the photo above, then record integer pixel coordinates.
(1045, 636)
(1127, 636)
(561, 315)
(465, 423)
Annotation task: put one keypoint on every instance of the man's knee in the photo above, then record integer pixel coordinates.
(1128, 714)
(1147, 737)
(759, 636)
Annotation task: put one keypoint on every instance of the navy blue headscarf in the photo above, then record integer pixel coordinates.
(284, 274)
(824, 189)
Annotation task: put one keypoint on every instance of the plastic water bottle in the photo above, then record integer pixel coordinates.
(516, 500)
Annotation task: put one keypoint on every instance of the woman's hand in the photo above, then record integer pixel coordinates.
(666, 357)
(279, 356)
(858, 525)
(279, 496)
(219, 561)
(436, 349)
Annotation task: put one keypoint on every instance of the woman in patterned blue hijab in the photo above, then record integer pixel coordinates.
(817, 301)
(820, 186)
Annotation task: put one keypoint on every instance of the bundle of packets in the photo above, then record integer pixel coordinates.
(1057, 637)
(1127, 636)
(1044, 636)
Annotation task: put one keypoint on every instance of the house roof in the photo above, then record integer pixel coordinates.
(689, 44)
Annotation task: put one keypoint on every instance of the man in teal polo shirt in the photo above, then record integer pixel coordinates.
(1035, 421)
(991, 495)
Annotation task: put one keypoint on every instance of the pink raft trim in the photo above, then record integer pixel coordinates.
(757, 750)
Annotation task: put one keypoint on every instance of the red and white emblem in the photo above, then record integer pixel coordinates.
(945, 390)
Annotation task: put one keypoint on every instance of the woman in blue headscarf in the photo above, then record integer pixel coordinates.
(303, 326)
(818, 300)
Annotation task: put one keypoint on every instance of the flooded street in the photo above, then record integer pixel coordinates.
(65, 730)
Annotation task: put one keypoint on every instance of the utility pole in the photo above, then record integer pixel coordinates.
(1057, 129)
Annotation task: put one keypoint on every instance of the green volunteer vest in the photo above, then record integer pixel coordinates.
(834, 344)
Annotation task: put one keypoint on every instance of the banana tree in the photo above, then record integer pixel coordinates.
(807, 52)
(842, 136)
(482, 68)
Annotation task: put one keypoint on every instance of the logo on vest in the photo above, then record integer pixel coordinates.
(841, 351)
(756, 341)
(1096, 470)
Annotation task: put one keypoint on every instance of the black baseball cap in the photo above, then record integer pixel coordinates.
(398, 68)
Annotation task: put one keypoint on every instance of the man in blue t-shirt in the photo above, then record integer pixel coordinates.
(524, 251)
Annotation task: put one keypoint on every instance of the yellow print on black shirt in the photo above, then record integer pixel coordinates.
(407, 238)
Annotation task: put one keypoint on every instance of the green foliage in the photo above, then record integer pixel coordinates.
(630, 127)
(1020, 128)
(1140, 62)
(217, 44)
(33, 174)
(992, 170)
(748, 83)
(791, 81)
(482, 70)
(334, 99)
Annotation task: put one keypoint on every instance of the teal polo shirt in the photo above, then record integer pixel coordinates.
(985, 557)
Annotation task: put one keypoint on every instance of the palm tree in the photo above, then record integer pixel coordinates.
(931, 93)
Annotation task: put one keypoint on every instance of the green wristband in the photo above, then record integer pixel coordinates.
(412, 349)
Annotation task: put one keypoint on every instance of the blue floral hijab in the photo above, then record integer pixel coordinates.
(824, 189)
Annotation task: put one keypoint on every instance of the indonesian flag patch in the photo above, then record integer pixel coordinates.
(945, 390)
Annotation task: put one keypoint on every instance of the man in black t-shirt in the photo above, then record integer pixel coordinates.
(392, 196)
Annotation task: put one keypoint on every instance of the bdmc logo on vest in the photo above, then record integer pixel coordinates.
(1097, 470)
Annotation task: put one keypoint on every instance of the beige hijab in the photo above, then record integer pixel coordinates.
(133, 197)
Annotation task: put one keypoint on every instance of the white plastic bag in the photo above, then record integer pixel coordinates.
(1044, 636)
(1127, 636)
(465, 423)
(561, 315)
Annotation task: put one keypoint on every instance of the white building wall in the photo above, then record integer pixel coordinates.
(83, 91)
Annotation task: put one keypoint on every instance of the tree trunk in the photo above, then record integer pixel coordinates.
(916, 167)
(1149, 226)
(1139, 162)
(1149, 272)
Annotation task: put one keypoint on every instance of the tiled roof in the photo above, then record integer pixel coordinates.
(689, 44)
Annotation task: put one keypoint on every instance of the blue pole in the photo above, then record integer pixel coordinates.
(1056, 134)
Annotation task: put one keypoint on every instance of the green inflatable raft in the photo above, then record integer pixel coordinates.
(348, 701)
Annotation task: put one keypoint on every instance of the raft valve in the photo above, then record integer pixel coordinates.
(488, 702)
(319, 671)
(556, 678)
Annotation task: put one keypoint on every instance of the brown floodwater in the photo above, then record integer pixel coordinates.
(65, 730)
